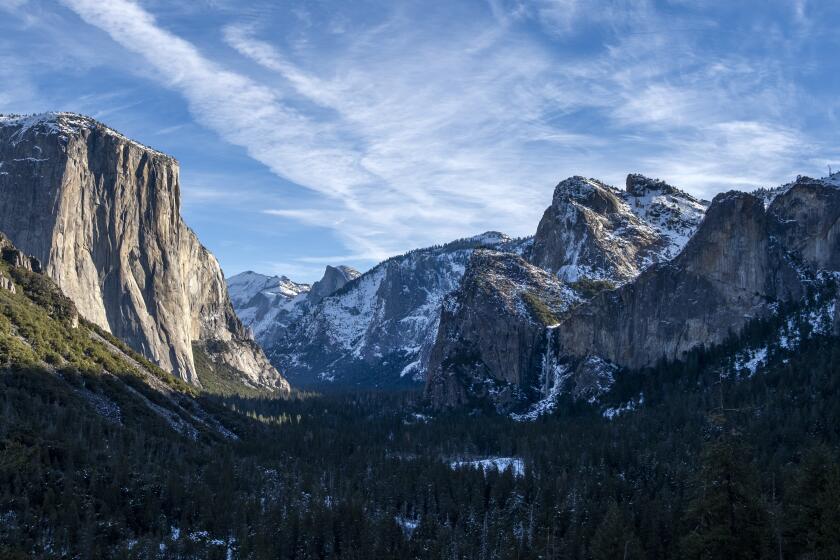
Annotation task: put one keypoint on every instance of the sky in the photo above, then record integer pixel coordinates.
(343, 132)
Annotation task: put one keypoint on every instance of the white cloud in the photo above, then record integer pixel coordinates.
(405, 161)
(415, 135)
(734, 154)
(241, 110)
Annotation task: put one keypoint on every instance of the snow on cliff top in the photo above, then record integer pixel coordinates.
(64, 124)
(770, 194)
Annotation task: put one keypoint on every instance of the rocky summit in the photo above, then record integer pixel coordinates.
(102, 213)
(593, 230)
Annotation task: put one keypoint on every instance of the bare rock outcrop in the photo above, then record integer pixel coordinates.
(741, 264)
(102, 213)
(594, 230)
(335, 278)
(492, 335)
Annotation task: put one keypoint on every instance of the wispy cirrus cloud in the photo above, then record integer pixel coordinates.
(413, 127)
(407, 161)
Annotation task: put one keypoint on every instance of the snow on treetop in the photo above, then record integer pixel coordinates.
(490, 238)
(770, 194)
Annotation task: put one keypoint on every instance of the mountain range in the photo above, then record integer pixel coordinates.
(379, 329)
(612, 280)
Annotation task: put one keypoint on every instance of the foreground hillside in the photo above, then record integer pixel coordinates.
(105, 456)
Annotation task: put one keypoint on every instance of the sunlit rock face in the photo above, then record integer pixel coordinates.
(102, 213)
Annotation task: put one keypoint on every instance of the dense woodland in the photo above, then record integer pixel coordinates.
(715, 463)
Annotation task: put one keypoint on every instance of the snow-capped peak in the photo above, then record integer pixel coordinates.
(245, 286)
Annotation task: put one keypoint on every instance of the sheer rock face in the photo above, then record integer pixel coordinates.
(593, 230)
(492, 337)
(808, 221)
(737, 267)
(335, 278)
(807, 224)
(102, 213)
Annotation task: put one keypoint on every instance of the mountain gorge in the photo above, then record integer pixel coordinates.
(102, 213)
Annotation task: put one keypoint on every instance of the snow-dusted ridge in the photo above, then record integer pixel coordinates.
(382, 324)
(672, 213)
(244, 286)
(64, 124)
(266, 303)
(770, 194)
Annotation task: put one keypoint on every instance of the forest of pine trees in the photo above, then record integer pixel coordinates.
(717, 463)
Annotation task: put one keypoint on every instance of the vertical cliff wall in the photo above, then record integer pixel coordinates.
(102, 213)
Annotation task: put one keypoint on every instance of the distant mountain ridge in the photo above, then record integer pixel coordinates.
(267, 305)
(378, 329)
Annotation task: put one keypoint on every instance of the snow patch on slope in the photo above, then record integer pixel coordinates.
(499, 464)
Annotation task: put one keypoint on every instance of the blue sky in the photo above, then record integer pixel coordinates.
(336, 132)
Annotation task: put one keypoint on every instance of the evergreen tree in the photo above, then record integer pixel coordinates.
(615, 539)
(725, 517)
(814, 506)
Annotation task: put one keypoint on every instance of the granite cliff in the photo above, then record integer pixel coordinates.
(492, 339)
(743, 262)
(102, 213)
(655, 275)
